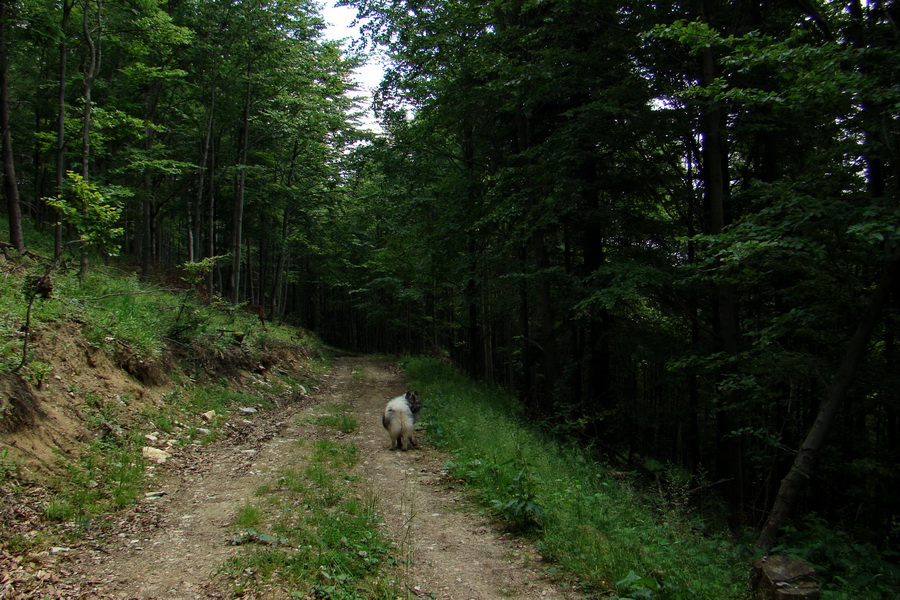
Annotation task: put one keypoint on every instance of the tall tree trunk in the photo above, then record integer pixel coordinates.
(283, 298)
(528, 352)
(10, 185)
(191, 221)
(475, 359)
(38, 163)
(546, 326)
(728, 446)
(148, 256)
(238, 214)
(194, 212)
(61, 117)
(211, 223)
(147, 210)
(247, 279)
(543, 380)
(806, 458)
(275, 303)
(596, 356)
(281, 248)
(90, 75)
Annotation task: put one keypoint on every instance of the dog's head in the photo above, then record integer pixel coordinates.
(414, 402)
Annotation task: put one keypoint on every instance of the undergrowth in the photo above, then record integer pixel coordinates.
(848, 569)
(589, 523)
(120, 313)
(596, 525)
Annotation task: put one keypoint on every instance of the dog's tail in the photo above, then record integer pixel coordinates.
(396, 421)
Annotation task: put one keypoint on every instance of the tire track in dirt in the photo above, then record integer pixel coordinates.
(172, 548)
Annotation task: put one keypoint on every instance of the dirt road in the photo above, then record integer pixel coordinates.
(171, 546)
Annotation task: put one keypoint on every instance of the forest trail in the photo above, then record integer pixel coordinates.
(171, 547)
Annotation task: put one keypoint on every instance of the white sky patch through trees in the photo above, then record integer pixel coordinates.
(338, 20)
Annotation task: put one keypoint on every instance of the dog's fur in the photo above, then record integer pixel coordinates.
(400, 416)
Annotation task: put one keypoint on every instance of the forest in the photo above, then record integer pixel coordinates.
(671, 229)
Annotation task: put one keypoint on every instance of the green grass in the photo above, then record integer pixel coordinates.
(106, 478)
(593, 526)
(338, 417)
(314, 533)
(108, 475)
(249, 516)
(8, 469)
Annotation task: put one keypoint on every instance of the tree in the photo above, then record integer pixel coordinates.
(60, 153)
(676, 193)
(10, 183)
(835, 395)
(784, 248)
(91, 72)
(655, 222)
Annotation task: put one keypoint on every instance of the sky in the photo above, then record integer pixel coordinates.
(338, 19)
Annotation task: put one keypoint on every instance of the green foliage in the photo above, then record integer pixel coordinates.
(845, 567)
(7, 468)
(93, 213)
(517, 503)
(248, 517)
(118, 311)
(124, 315)
(634, 587)
(190, 318)
(108, 477)
(37, 372)
(597, 528)
(197, 271)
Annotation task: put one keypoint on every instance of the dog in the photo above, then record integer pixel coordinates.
(400, 416)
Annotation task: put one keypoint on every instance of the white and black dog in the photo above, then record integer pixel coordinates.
(400, 416)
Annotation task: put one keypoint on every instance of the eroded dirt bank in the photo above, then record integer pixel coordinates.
(171, 545)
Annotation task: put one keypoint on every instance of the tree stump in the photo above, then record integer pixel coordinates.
(783, 578)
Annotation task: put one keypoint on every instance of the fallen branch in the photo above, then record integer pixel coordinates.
(132, 293)
(708, 485)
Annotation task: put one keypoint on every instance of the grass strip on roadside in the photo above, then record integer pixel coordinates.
(315, 532)
(593, 526)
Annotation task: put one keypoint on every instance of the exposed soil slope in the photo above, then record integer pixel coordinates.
(171, 545)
